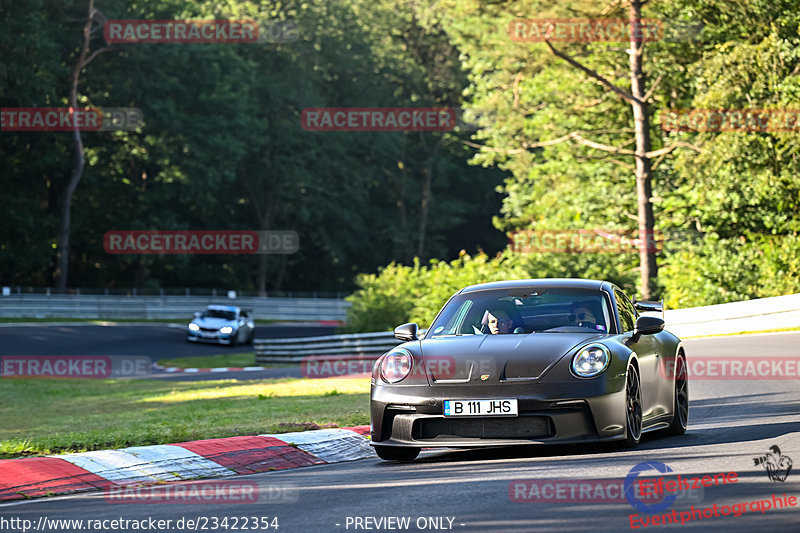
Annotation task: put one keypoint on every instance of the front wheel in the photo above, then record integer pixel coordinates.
(680, 409)
(396, 453)
(633, 408)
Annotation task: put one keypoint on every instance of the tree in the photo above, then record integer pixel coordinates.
(638, 98)
(84, 58)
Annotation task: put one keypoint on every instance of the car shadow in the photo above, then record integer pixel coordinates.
(730, 415)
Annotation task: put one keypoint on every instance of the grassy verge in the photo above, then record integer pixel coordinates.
(212, 361)
(70, 415)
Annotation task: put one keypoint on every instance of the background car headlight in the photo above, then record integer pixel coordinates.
(226, 329)
(396, 366)
(590, 360)
(194, 327)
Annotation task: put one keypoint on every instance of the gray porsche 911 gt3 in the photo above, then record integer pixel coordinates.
(530, 362)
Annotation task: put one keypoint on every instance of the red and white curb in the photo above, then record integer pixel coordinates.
(213, 458)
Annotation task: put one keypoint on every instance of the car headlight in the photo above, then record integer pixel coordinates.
(193, 326)
(396, 366)
(226, 329)
(591, 360)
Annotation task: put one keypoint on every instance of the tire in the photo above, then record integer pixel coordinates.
(680, 406)
(396, 453)
(235, 339)
(251, 336)
(633, 408)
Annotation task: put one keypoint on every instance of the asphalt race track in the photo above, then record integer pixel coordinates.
(157, 341)
(732, 422)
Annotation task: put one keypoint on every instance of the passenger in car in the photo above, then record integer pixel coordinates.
(582, 315)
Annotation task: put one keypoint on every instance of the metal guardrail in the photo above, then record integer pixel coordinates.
(355, 345)
(776, 312)
(167, 307)
(734, 317)
(19, 290)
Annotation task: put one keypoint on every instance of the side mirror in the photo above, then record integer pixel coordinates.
(406, 332)
(648, 325)
(197, 314)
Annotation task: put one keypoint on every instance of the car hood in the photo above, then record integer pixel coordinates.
(464, 358)
(210, 322)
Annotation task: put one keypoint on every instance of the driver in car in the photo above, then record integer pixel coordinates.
(499, 322)
(581, 315)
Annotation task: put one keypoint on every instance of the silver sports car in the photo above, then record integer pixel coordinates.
(224, 324)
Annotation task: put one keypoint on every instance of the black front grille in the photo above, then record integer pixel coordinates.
(208, 329)
(523, 427)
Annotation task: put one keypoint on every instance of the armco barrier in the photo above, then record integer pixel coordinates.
(356, 345)
(167, 307)
(777, 312)
(751, 315)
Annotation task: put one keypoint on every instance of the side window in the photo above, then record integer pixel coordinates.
(627, 314)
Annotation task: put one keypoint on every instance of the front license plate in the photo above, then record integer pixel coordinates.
(503, 407)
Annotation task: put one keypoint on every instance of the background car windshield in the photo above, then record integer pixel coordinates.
(216, 313)
(528, 310)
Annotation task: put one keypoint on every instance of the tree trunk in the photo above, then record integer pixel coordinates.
(427, 178)
(261, 279)
(637, 97)
(62, 270)
(641, 119)
(263, 259)
(264, 205)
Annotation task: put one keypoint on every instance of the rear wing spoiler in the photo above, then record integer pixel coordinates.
(650, 306)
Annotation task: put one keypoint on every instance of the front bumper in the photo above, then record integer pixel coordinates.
(553, 413)
(220, 338)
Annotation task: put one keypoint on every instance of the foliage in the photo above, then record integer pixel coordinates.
(399, 294)
(728, 204)
(222, 148)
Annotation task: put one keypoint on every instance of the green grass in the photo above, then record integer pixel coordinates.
(212, 361)
(69, 415)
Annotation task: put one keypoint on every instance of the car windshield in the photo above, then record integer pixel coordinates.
(218, 313)
(524, 310)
